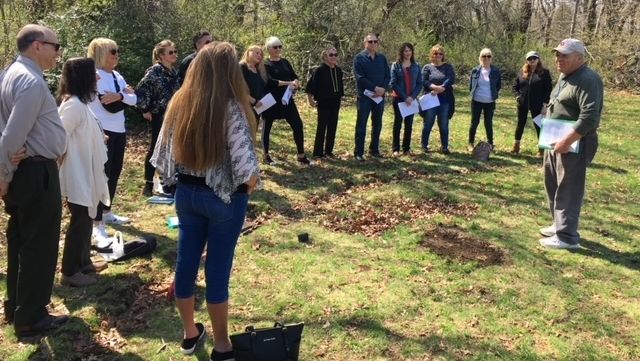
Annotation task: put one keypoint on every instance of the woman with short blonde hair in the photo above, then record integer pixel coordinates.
(114, 95)
(484, 86)
(206, 143)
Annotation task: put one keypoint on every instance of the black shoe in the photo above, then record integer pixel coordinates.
(330, 155)
(376, 155)
(267, 160)
(304, 160)
(222, 356)
(445, 151)
(147, 191)
(49, 322)
(189, 344)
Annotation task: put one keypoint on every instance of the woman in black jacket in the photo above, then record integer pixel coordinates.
(324, 91)
(532, 89)
(282, 76)
(255, 75)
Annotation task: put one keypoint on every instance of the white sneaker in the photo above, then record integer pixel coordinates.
(100, 237)
(548, 231)
(555, 243)
(111, 218)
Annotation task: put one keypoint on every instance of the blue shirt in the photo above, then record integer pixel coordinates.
(370, 73)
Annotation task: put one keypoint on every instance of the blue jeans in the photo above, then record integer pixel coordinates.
(206, 220)
(442, 112)
(367, 106)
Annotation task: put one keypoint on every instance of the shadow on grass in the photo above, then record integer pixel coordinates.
(456, 347)
(74, 341)
(597, 250)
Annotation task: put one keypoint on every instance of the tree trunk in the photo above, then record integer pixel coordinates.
(573, 20)
(590, 10)
(525, 18)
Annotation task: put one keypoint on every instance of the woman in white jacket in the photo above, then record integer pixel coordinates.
(83, 181)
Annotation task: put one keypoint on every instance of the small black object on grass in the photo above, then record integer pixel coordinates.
(303, 238)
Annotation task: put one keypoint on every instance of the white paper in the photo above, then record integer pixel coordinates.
(553, 131)
(538, 120)
(429, 101)
(287, 95)
(373, 96)
(406, 110)
(267, 102)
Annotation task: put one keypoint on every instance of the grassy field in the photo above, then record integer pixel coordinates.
(427, 257)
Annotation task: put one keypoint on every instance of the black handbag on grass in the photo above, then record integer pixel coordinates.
(277, 343)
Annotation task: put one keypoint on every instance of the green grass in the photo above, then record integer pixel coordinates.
(372, 290)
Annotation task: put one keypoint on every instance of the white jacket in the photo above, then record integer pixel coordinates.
(82, 178)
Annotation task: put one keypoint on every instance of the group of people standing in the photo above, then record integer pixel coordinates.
(204, 122)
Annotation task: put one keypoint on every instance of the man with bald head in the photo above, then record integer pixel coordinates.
(578, 97)
(31, 190)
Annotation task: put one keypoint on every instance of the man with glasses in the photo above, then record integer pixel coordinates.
(31, 190)
(202, 38)
(578, 97)
(371, 71)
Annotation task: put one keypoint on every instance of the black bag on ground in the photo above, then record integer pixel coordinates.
(277, 343)
(138, 247)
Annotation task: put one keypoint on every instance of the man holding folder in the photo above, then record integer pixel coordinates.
(578, 97)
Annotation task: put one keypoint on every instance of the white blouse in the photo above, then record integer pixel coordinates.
(113, 122)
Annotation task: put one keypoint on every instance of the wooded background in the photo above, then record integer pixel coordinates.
(610, 29)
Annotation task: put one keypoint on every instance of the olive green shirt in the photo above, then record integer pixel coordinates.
(578, 96)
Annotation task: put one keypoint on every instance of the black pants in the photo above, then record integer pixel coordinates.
(476, 109)
(397, 126)
(116, 145)
(34, 206)
(156, 124)
(326, 131)
(522, 120)
(77, 243)
(292, 117)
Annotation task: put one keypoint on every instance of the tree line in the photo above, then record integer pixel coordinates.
(610, 29)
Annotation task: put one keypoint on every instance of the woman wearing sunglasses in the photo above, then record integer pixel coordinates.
(282, 76)
(325, 91)
(533, 89)
(154, 92)
(114, 94)
(485, 85)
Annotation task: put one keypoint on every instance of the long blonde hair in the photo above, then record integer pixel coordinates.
(260, 67)
(198, 111)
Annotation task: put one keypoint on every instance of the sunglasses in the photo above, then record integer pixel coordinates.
(56, 46)
(207, 42)
(487, 56)
(114, 51)
(332, 55)
(372, 41)
(276, 47)
(438, 53)
(171, 52)
(532, 58)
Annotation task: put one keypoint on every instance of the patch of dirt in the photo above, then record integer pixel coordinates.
(453, 244)
(343, 214)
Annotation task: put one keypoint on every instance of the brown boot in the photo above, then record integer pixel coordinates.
(516, 148)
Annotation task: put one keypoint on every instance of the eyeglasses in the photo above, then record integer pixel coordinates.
(114, 51)
(436, 54)
(486, 56)
(171, 52)
(332, 55)
(207, 42)
(276, 47)
(532, 58)
(372, 41)
(56, 46)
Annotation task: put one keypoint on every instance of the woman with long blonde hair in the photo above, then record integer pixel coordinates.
(206, 144)
(255, 74)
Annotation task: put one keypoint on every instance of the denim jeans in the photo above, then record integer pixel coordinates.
(367, 106)
(442, 112)
(476, 109)
(206, 220)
